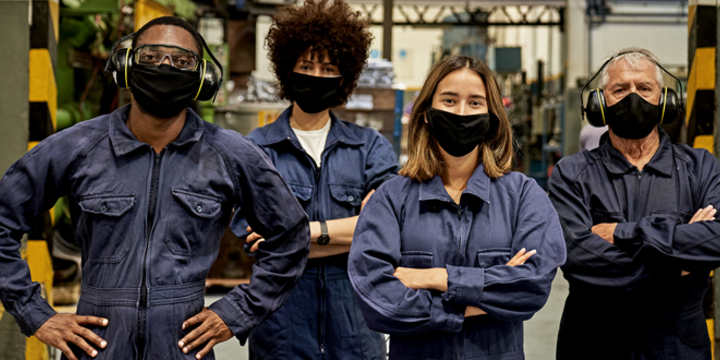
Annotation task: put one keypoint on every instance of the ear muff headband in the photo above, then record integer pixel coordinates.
(602, 106)
(681, 108)
(127, 59)
(111, 67)
(202, 79)
(662, 117)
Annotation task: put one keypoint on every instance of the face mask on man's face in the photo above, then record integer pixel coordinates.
(163, 91)
(633, 117)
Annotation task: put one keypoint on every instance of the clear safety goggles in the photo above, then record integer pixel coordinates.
(155, 54)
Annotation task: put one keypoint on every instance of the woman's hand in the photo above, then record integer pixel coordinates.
(431, 279)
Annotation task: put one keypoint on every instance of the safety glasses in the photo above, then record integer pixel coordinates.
(155, 54)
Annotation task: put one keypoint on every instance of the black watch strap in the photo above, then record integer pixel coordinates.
(324, 238)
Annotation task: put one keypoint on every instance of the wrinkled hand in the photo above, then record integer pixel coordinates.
(62, 329)
(211, 331)
(252, 237)
(367, 197)
(704, 214)
(605, 231)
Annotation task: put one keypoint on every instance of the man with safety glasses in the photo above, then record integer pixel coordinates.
(151, 189)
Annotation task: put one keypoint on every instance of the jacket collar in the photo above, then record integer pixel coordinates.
(616, 163)
(478, 185)
(280, 131)
(123, 140)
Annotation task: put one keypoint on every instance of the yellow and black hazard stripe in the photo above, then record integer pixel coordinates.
(702, 42)
(43, 62)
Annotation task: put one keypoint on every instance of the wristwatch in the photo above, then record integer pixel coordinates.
(324, 239)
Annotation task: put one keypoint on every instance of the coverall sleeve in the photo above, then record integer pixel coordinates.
(386, 303)
(590, 258)
(516, 293)
(693, 246)
(30, 187)
(271, 209)
(381, 165)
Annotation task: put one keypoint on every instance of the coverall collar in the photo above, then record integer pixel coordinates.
(616, 163)
(478, 185)
(280, 131)
(124, 142)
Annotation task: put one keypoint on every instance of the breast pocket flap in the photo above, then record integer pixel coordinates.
(301, 191)
(107, 204)
(200, 205)
(346, 193)
(416, 259)
(493, 256)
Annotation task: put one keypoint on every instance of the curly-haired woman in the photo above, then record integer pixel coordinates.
(317, 52)
(451, 257)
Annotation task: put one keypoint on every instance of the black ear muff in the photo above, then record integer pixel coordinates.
(209, 81)
(120, 63)
(596, 108)
(669, 106)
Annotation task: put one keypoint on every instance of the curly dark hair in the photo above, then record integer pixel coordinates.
(324, 25)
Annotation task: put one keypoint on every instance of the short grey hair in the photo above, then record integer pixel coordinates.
(633, 57)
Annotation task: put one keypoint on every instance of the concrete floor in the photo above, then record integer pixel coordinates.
(540, 331)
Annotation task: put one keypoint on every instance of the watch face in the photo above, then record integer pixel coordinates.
(323, 240)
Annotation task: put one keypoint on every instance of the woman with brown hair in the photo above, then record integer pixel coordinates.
(432, 259)
(318, 50)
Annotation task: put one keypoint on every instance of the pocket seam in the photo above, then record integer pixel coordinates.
(110, 259)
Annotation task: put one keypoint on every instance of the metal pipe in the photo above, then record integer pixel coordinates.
(387, 29)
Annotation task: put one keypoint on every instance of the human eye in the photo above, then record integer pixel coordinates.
(448, 101)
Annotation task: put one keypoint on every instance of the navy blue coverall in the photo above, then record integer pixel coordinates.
(320, 320)
(149, 227)
(414, 224)
(628, 300)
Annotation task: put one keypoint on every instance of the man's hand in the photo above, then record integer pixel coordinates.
(253, 237)
(704, 214)
(62, 329)
(212, 330)
(474, 311)
(605, 231)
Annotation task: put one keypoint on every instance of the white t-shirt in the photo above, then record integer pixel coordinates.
(313, 141)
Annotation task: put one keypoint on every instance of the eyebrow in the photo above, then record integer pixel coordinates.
(474, 96)
(310, 62)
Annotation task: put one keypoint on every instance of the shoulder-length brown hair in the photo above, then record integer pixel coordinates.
(496, 150)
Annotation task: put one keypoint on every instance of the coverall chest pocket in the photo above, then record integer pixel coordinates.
(416, 259)
(105, 226)
(493, 256)
(302, 192)
(193, 217)
(603, 216)
(346, 200)
(678, 217)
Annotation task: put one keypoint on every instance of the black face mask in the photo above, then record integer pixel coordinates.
(458, 135)
(314, 94)
(162, 90)
(633, 117)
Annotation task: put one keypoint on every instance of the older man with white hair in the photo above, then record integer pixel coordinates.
(639, 250)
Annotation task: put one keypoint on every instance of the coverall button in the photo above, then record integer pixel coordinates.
(351, 198)
(103, 208)
(199, 208)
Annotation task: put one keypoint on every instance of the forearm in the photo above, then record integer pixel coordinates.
(317, 251)
(340, 230)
